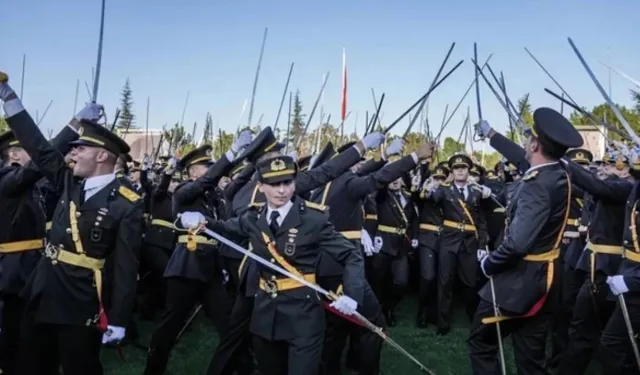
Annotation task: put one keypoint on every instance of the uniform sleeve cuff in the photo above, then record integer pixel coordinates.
(13, 107)
(72, 128)
(230, 156)
(357, 149)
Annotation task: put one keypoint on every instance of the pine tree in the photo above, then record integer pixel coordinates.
(127, 118)
(4, 127)
(297, 119)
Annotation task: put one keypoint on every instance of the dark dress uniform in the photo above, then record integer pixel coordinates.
(68, 292)
(430, 225)
(194, 270)
(463, 233)
(232, 350)
(601, 258)
(615, 352)
(524, 265)
(24, 213)
(345, 196)
(288, 319)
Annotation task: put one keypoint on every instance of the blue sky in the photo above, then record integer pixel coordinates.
(210, 48)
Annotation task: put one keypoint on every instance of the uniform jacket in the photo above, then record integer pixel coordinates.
(109, 226)
(160, 201)
(305, 233)
(392, 214)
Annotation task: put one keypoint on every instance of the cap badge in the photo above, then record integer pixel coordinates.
(278, 165)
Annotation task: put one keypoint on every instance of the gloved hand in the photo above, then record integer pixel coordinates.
(90, 112)
(191, 219)
(414, 243)
(372, 140)
(241, 141)
(481, 254)
(623, 148)
(367, 244)
(345, 305)
(617, 284)
(113, 334)
(293, 155)
(415, 181)
(5, 89)
(395, 147)
(377, 244)
(146, 162)
(171, 165)
(486, 192)
(482, 128)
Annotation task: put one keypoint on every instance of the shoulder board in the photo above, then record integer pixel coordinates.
(129, 194)
(315, 206)
(446, 184)
(256, 205)
(119, 175)
(530, 176)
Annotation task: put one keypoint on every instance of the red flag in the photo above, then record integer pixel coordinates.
(343, 109)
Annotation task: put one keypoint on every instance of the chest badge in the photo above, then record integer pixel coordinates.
(290, 247)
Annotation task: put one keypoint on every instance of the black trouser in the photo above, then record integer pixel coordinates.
(74, 348)
(590, 313)
(528, 336)
(154, 261)
(572, 280)
(397, 268)
(11, 339)
(298, 356)
(233, 353)
(462, 264)
(428, 290)
(616, 353)
(182, 295)
(366, 345)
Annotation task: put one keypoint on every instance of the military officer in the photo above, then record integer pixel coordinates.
(288, 318)
(95, 220)
(194, 271)
(522, 268)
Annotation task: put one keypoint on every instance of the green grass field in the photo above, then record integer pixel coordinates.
(444, 355)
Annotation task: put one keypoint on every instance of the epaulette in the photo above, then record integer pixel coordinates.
(316, 206)
(256, 205)
(129, 194)
(119, 175)
(446, 184)
(530, 176)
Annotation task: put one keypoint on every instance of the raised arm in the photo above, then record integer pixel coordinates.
(611, 189)
(191, 191)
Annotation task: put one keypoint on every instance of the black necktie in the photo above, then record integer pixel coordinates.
(274, 226)
(462, 192)
(82, 193)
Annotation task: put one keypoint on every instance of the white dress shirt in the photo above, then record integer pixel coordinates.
(94, 184)
(465, 190)
(283, 211)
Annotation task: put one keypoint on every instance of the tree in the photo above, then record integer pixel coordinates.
(603, 113)
(297, 120)
(635, 96)
(450, 147)
(179, 140)
(127, 118)
(4, 127)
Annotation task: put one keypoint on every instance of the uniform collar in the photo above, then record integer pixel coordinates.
(98, 181)
(283, 211)
(539, 166)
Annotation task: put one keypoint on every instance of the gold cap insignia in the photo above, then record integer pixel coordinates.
(278, 165)
(208, 152)
(579, 155)
(458, 160)
(80, 130)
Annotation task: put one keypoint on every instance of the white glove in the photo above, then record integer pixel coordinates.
(634, 157)
(372, 140)
(293, 155)
(367, 244)
(414, 244)
(113, 334)
(146, 162)
(415, 181)
(377, 244)
(241, 141)
(345, 305)
(617, 284)
(171, 165)
(91, 112)
(482, 253)
(5, 89)
(395, 147)
(486, 192)
(191, 219)
(624, 149)
(482, 263)
(482, 128)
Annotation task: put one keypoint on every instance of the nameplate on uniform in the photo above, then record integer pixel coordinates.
(290, 247)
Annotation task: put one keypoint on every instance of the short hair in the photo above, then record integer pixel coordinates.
(549, 148)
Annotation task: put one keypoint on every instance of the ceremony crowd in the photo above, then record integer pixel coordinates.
(297, 261)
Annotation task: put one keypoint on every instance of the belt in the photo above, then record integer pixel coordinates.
(394, 230)
(460, 226)
(431, 227)
(20, 246)
(48, 226)
(548, 257)
(631, 255)
(192, 240)
(352, 234)
(274, 285)
(371, 217)
(574, 222)
(163, 223)
(600, 249)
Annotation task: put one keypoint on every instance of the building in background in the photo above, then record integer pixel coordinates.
(594, 137)
(144, 142)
